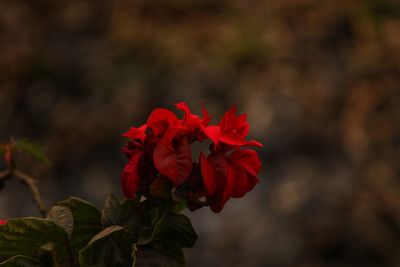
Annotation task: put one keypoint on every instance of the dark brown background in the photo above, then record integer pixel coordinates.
(319, 80)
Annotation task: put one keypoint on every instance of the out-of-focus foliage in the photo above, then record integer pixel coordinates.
(32, 149)
(319, 79)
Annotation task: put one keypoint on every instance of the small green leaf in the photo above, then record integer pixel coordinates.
(25, 236)
(103, 250)
(32, 149)
(21, 261)
(112, 212)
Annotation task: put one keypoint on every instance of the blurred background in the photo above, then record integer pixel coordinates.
(319, 81)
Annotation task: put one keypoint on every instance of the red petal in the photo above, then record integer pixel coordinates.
(253, 143)
(238, 178)
(248, 159)
(251, 182)
(241, 125)
(169, 135)
(208, 175)
(130, 177)
(228, 118)
(232, 139)
(217, 203)
(183, 106)
(206, 118)
(244, 166)
(3, 222)
(214, 173)
(136, 133)
(234, 125)
(160, 119)
(213, 132)
(176, 164)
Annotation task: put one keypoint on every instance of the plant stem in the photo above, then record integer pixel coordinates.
(32, 184)
(5, 174)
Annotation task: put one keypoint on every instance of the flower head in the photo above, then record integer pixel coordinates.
(160, 156)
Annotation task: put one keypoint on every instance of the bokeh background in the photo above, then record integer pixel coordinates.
(319, 80)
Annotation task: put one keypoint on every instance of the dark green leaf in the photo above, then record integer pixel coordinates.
(32, 149)
(26, 236)
(177, 228)
(58, 254)
(62, 216)
(177, 207)
(130, 217)
(112, 212)
(173, 227)
(86, 222)
(103, 250)
(21, 261)
(148, 233)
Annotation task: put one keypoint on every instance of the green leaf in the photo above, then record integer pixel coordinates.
(62, 216)
(177, 228)
(130, 217)
(58, 254)
(86, 222)
(21, 261)
(148, 233)
(107, 232)
(32, 149)
(172, 227)
(112, 212)
(103, 249)
(26, 236)
(177, 207)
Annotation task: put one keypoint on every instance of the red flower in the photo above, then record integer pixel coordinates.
(3, 222)
(231, 130)
(192, 123)
(161, 148)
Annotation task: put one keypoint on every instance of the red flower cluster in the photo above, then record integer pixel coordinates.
(160, 154)
(2, 222)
